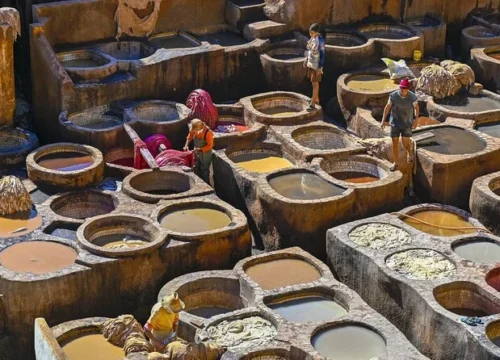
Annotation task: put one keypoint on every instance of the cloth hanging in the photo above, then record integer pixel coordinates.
(202, 107)
(129, 22)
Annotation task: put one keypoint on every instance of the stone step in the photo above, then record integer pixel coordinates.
(264, 29)
(238, 13)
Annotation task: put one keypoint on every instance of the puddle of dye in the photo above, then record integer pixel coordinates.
(468, 312)
(349, 343)
(93, 346)
(490, 129)
(371, 83)
(440, 218)
(304, 186)
(496, 341)
(280, 111)
(355, 177)
(195, 220)
(223, 38)
(314, 308)
(470, 103)
(64, 233)
(288, 57)
(173, 42)
(284, 272)
(119, 241)
(37, 257)
(19, 224)
(82, 63)
(480, 251)
(452, 141)
(261, 162)
(66, 161)
(208, 312)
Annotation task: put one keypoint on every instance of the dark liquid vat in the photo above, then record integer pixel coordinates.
(161, 192)
(99, 125)
(355, 177)
(81, 63)
(304, 186)
(349, 342)
(208, 312)
(481, 251)
(66, 161)
(468, 312)
(223, 38)
(452, 141)
(464, 103)
(288, 57)
(285, 272)
(314, 308)
(383, 34)
(490, 129)
(173, 42)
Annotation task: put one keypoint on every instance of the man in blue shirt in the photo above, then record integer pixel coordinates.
(314, 62)
(403, 107)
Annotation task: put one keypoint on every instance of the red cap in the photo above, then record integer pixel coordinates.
(404, 84)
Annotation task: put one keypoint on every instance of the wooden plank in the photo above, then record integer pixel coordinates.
(150, 160)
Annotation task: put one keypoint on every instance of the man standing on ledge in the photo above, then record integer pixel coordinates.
(403, 107)
(314, 62)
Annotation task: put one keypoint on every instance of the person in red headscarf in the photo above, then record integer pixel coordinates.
(403, 108)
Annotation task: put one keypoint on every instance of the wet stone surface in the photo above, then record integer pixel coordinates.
(421, 264)
(379, 236)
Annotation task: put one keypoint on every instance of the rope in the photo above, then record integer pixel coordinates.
(440, 226)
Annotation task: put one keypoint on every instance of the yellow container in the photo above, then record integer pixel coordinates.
(417, 55)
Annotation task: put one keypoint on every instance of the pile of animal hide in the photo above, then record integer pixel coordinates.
(136, 18)
(437, 82)
(9, 17)
(14, 196)
(126, 332)
(461, 72)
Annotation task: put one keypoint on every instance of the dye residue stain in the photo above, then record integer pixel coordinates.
(349, 342)
(93, 346)
(439, 218)
(371, 83)
(355, 177)
(260, 162)
(208, 312)
(280, 111)
(66, 161)
(19, 224)
(309, 309)
(480, 251)
(304, 186)
(195, 220)
(120, 241)
(37, 257)
(285, 272)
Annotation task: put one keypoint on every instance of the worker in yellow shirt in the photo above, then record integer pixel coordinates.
(161, 328)
(203, 139)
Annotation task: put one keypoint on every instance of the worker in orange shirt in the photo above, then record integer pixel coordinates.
(203, 139)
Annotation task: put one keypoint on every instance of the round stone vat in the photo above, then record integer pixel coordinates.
(83, 204)
(20, 223)
(344, 39)
(82, 339)
(320, 138)
(341, 342)
(283, 68)
(450, 140)
(387, 31)
(65, 165)
(15, 144)
(421, 264)
(279, 108)
(87, 64)
(356, 169)
(439, 221)
(160, 117)
(100, 127)
(120, 235)
(480, 250)
(127, 50)
(371, 87)
(173, 41)
(485, 107)
(309, 306)
(379, 236)
(466, 299)
(434, 33)
(37, 257)
(260, 161)
(485, 61)
(484, 199)
(287, 270)
(234, 128)
(166, 184)
(477, 36)
(348, 49)
(493, 332)
(206, 294)
(119, 162)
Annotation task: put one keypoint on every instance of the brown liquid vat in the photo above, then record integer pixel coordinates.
(20, 224)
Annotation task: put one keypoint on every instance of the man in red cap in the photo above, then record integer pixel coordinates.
(403, 107)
